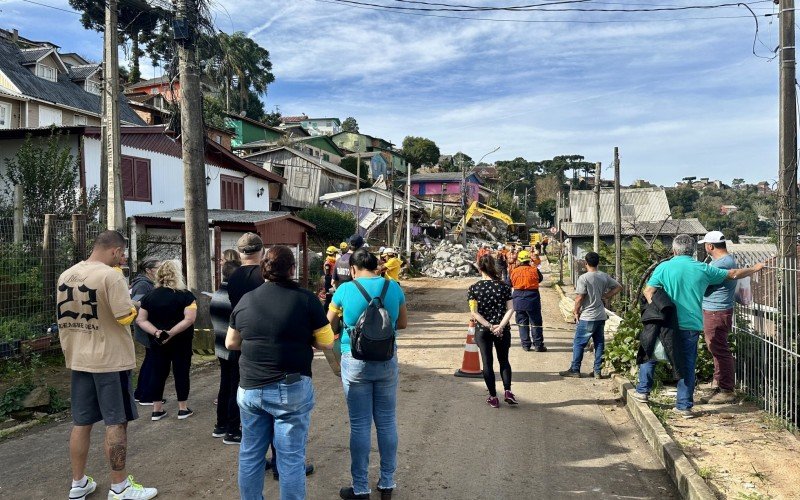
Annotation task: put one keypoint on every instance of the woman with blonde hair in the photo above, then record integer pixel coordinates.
(168, 314)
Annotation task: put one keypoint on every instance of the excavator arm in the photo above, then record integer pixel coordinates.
(482, 209)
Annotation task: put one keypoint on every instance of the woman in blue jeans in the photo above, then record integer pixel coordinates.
(275, 394)
(370, 387)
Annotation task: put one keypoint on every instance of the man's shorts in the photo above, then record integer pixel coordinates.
(102, 396)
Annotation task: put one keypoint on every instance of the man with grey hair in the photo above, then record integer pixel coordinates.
(685, 281)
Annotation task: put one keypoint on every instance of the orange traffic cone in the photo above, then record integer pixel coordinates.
(471, 364)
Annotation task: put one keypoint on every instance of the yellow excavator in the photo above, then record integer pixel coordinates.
(480, 208)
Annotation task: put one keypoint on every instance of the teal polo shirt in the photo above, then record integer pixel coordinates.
(685, 280)
(350, 300)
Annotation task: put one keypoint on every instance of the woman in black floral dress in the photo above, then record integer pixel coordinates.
(491, 308)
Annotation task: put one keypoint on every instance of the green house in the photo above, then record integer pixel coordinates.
(248, 130)
(362, 143)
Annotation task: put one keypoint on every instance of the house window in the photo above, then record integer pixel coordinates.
(5, 115)
(302, 179)
(231, 192)
(154, 90)
(46, 72)
(49, 116)
(279, 170)
(92, 87)
(136, 179)
(326, 157)
(79, 120)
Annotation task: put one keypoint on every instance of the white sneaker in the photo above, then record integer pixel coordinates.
(134, 491)
(81, 492)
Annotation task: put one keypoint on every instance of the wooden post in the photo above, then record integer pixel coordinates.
(19, 219)
(561, 239)
(787, 155)
(49, 263)
(358, 188)
(617, 219)
(183, 250)
(79, 237)
(217, 257)
(111, 130)
(304, 243)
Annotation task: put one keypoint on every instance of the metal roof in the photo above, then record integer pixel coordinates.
(670, 227)
(326, 165)
(382, 192)
(147, 83)
(29, 56)
(638, 204)
(442, 176)
(749, 254)
(64, 91)
(217, 215)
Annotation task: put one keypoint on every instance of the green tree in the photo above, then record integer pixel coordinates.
(213, 112)
(273, 118)
(137, 21)
(681, 200)
(547, 210)
(420, 151)
(737, 183)
(48, 174)
(350, 125)
(333, 225)
(350, 164)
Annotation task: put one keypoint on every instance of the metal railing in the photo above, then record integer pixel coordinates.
(764, 339)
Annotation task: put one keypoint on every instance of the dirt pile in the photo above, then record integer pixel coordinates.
(451, 260)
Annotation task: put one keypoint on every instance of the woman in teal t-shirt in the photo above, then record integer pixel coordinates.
(370, 387)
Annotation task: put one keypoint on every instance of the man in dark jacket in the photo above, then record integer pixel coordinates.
(140, 286)
(684, 280)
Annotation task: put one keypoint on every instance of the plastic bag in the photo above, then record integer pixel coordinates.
(659, 352)
(744, 293)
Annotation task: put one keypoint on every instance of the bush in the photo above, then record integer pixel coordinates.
(620, 353)
(333, 226)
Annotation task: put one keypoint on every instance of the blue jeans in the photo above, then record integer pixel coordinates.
(277, 413)
(530, 327)
(370, 388)
(686, 343)
(583, 332)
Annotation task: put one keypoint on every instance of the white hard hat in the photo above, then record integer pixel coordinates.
(713, 237)
(389, 250)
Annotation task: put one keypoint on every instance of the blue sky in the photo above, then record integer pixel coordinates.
(678, 94)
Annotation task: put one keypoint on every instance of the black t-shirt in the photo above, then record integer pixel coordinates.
(492, 297)
(165, 308)
(243, 280)
(341, 271)
(277, 323)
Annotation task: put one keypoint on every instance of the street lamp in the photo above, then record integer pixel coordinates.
(521, 179)
(464, 190)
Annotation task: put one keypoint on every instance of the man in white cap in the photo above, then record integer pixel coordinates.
(717, 319)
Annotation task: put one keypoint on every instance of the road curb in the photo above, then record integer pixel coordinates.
(690, 485)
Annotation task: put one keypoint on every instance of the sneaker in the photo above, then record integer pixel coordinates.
(493, 401)
(638, 396)
(721, 397)
(599, 375)
(509, 398)
(526, 348)
(540, 348)
(81, 492)
(219, 432)
(182, 414)
(150, 403)
(133, 491)
(158, 415)
(349, 494)
(386, 493)
(687, 413)
(232, 439)
(570, 373)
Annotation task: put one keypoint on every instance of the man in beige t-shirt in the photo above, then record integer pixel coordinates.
(94, 311)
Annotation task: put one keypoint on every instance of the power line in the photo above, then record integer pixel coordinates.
(540, 7)
(52, 7)
(538, 21)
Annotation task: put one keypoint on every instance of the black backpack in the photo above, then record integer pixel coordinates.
(373, 337)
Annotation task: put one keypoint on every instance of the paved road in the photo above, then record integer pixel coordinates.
(567, 439)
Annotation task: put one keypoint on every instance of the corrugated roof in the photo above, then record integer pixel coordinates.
(64, 91)
(293, 119)
(383, 192)
(638, 204)
(441, 176)
(32, 55)
(147, 83)
(749, 254)
(217, 215)
(82, 72)
(669, 227)
(326, 165)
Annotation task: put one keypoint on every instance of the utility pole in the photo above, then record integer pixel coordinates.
(597, 170)
(617, 219)
(463, 199)
(559, 211)
(391, 191)
(358, 188)
(408, 212)
(198, 252)
(787, 168)
(115, 211)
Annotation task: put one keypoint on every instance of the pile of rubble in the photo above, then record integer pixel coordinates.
(451, 260)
